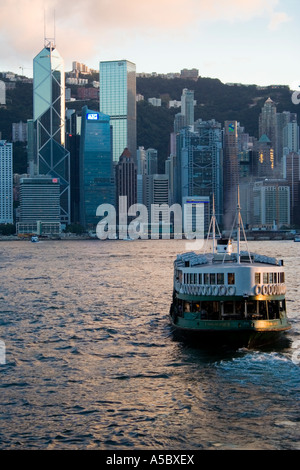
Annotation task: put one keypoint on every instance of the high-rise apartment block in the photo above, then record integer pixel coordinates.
(118, 100)
(6, 182)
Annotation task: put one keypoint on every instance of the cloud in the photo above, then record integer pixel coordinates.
(277, 18)
(84, 29)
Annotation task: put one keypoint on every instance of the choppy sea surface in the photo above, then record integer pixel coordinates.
(91, 361)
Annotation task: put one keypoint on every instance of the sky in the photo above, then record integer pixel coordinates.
(240, 41)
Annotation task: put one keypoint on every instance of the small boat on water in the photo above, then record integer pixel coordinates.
(297, 238)
(35, 239)
(227, 298)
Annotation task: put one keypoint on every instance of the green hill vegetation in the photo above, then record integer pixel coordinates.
(215, 100)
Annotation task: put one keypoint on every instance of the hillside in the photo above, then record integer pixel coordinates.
(215, 100)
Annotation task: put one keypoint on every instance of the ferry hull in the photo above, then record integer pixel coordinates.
(237, 333)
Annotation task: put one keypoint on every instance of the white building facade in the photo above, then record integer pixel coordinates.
(6, 182)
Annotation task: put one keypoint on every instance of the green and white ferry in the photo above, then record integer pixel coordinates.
(229, 298)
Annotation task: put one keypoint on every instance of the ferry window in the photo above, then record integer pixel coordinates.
(251, 307)
(195, 278)
(220, 278)
(185, 278)
(231, 279)
(228, 307)
(282, 278)
(275, 278)
(266, 278)
(257, 278)
(200, 278)
(271, 278)
(206, 278)
(212, 278)
(191, 278)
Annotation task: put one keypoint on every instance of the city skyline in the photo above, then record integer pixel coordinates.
(245, 42)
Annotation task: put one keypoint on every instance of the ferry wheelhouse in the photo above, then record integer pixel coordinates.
(229, 297)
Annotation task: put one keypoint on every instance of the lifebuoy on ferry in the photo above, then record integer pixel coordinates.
(208, 290)
(264, 289)
(273, 290)
(222, 290)
(231, 290)
(257, 290)
(215, 290)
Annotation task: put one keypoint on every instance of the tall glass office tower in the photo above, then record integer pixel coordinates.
(96, 175)
(49, 153)
(118, 100)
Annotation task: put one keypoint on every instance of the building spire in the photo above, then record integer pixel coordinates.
(49, 42)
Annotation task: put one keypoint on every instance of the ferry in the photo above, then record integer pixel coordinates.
(228, 298)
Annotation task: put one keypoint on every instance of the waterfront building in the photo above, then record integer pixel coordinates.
(126, 182)
(49, 153)
(118, 100)
(6, 182)
(156, 199)
(291, 172)
(39, 205)
(196, 221)
(96, 166)
(271, 203)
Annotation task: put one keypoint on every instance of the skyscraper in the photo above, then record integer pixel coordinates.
(231, 171)
(49, 153)
(96, 166)
(291, 172)
(118, 100)
(187, 106)
(268, 125)
(198, 166)
(126, 181)
(6, 183)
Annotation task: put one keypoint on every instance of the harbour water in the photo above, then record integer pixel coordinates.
(91, 361)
